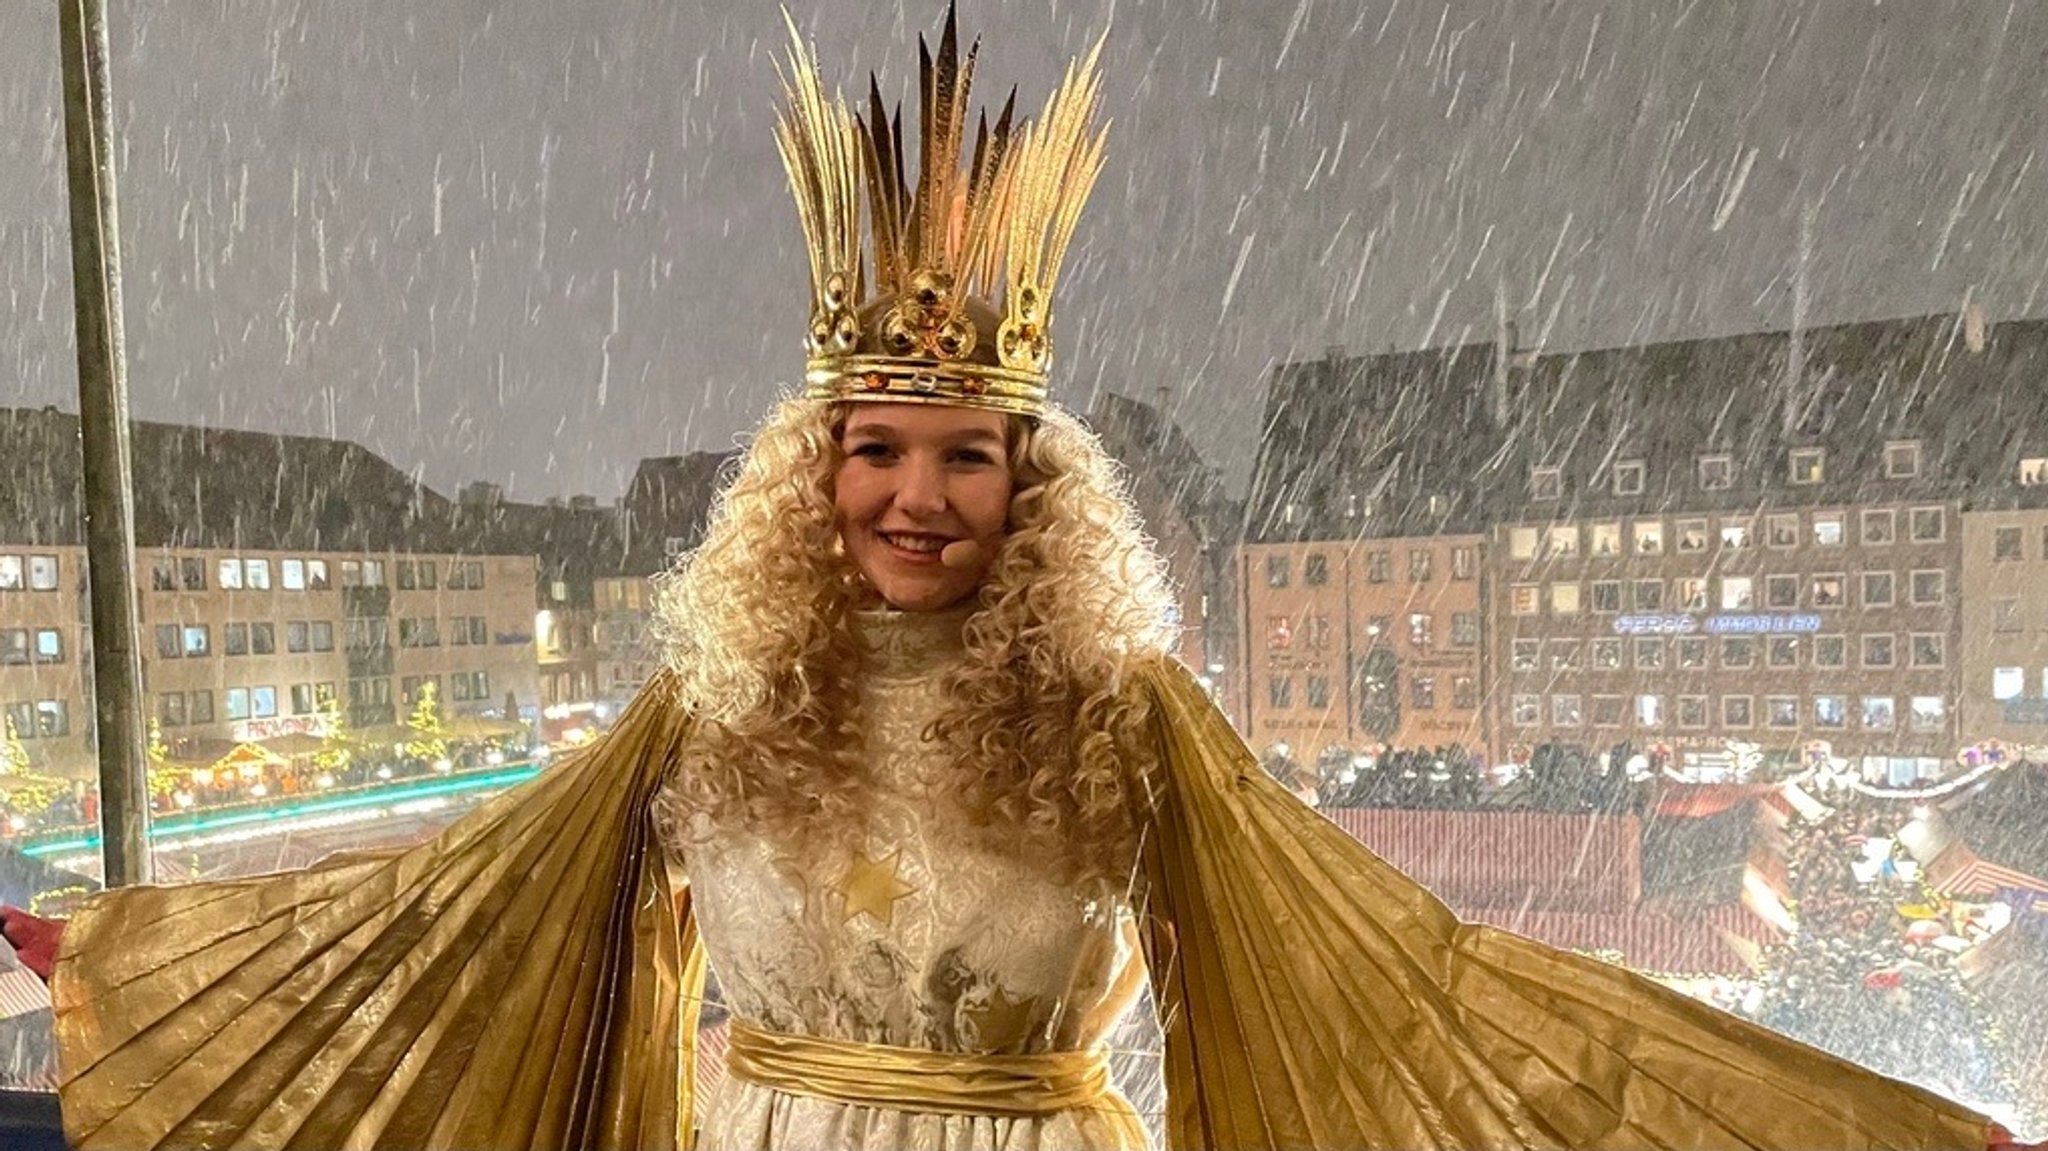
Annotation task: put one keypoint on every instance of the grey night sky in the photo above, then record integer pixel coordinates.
(533, 241)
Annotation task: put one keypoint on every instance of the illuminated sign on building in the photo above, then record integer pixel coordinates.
(1715, 624)
(1762, 624)
(1655, 624)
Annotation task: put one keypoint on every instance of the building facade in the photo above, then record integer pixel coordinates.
(1735, 550)
(44, 655)
(1735, 637)
(2004, 662)
(1366, 644)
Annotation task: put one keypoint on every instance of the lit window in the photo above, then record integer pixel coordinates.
(257, 573)
(1827, 529)
(293, 573)
(1523, 599)
(1562, 541)
(1522, 543)
(1692, 595)
(1419, 628)
(1564, 598)
(1738, 593)
(1808, 465)
(1650, 711)
(1827, 591)
(1879, 713)
(2034, 472)
(1735, 533)
(42, 573)
(1606, 539)
(2008, 683)
(230, 574)
(1930, 713)
(1649, 537)
(1830, 711)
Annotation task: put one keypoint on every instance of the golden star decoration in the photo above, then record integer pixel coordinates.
(873, 887)
(1002, 1023)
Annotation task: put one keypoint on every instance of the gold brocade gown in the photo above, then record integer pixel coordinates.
(915, 939)
(531, 978)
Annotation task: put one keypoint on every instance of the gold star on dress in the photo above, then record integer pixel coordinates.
(873, 887)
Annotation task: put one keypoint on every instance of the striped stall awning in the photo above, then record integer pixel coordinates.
(1507, 858)
(1960, 871)
(1571, 881)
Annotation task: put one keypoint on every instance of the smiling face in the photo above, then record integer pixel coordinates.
(912, 479)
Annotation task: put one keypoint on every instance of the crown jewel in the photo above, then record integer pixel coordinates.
(929, 327)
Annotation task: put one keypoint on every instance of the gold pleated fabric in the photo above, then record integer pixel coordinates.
(1314, 997)
(915, 1079)
(527, 979)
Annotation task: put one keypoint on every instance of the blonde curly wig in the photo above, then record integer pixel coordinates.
(1047, 741)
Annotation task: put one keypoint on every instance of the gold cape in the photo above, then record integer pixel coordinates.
(529, 979)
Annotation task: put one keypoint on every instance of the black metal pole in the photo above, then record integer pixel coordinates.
(103, 417)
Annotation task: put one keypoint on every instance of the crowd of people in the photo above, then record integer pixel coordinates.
(1555, 778)
(1857, 977)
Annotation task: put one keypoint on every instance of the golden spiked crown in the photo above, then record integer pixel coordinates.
(927, 328)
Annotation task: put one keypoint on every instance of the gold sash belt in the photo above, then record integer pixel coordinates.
(909, 1079)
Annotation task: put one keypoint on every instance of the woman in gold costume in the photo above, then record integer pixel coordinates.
(922, 784)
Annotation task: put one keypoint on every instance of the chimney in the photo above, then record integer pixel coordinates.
(1975, 331)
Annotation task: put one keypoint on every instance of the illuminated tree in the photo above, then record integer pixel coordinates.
(335, 753)
(430, 735)
(163, 778)
(13, 756)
